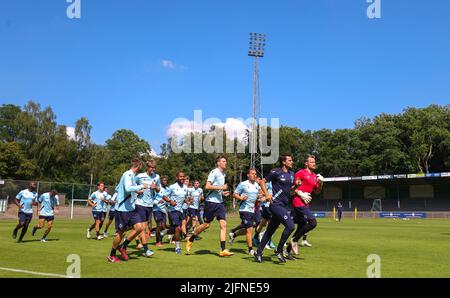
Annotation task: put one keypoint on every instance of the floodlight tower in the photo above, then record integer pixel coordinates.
(256, 50)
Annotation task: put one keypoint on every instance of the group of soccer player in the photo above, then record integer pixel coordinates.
(282, 197)
(47, 205)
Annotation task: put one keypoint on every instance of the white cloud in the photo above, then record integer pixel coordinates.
(169, 64)
(235, 128)
(70, 131)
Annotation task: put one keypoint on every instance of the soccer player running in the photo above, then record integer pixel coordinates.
(308, 183)
(282, 184)
(98, 202)
(266, 215)
(160, 211)
(126, 214)
(25, 200)
(248, 192)
(47, 205)
(111, 213)
(176, 195)
(186, 204)
(144, 202)
(214, 206)
(193, 213)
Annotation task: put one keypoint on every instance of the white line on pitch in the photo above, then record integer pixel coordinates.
(35, 273)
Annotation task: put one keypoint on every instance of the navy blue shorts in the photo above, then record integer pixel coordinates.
(160, 217)
(257, 219)
(247, 219)
(214, 210)
(176, 217)
(282, 215)
(266, 213)
(125, 220)
(47, 218)
(25, 217)
(145, 213)
(111, 214)
(98, 215)
(303, 215)
(191, 212)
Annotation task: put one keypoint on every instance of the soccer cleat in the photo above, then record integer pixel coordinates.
(149, 253)
(306, 243)
(231, 238)
(88, 233)
(189, 246)
(261, 236)
(280, 257)
(252, 252)
(113, 259)
(178, 251)
(159, 244)
(288, 256)
(152, 234)
(225, 253)
(14, 234)
(43, 240)
(123, 253)
(258, 258)
(255, 240)
(105, 235)
(99, 237)
(271, 244)
(294, 246)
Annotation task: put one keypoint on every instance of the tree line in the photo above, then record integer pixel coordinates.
(34, 146)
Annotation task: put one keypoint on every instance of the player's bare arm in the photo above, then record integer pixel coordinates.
(264, 189)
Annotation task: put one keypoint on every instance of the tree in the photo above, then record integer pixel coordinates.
(8, 127)
(83, 132)
(426, 132)
(13, 163)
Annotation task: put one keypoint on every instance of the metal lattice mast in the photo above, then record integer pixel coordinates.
(256, 50)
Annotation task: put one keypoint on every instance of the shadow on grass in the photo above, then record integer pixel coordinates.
(205, 252)
(38, 240)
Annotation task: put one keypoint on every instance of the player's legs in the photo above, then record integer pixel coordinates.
(176, 219)
(39, 225)
(199, 216)
(21, 224)
(310, 223)
(111, 216)
(144, 215)
(249, 240)
(183, 227)
(24, 230)
(97, 227)
(49, 228)
(134, 232)
(274, 223)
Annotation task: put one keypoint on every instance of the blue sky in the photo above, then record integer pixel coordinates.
(326, 63)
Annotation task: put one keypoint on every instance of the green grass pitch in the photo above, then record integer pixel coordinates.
(413, 248)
